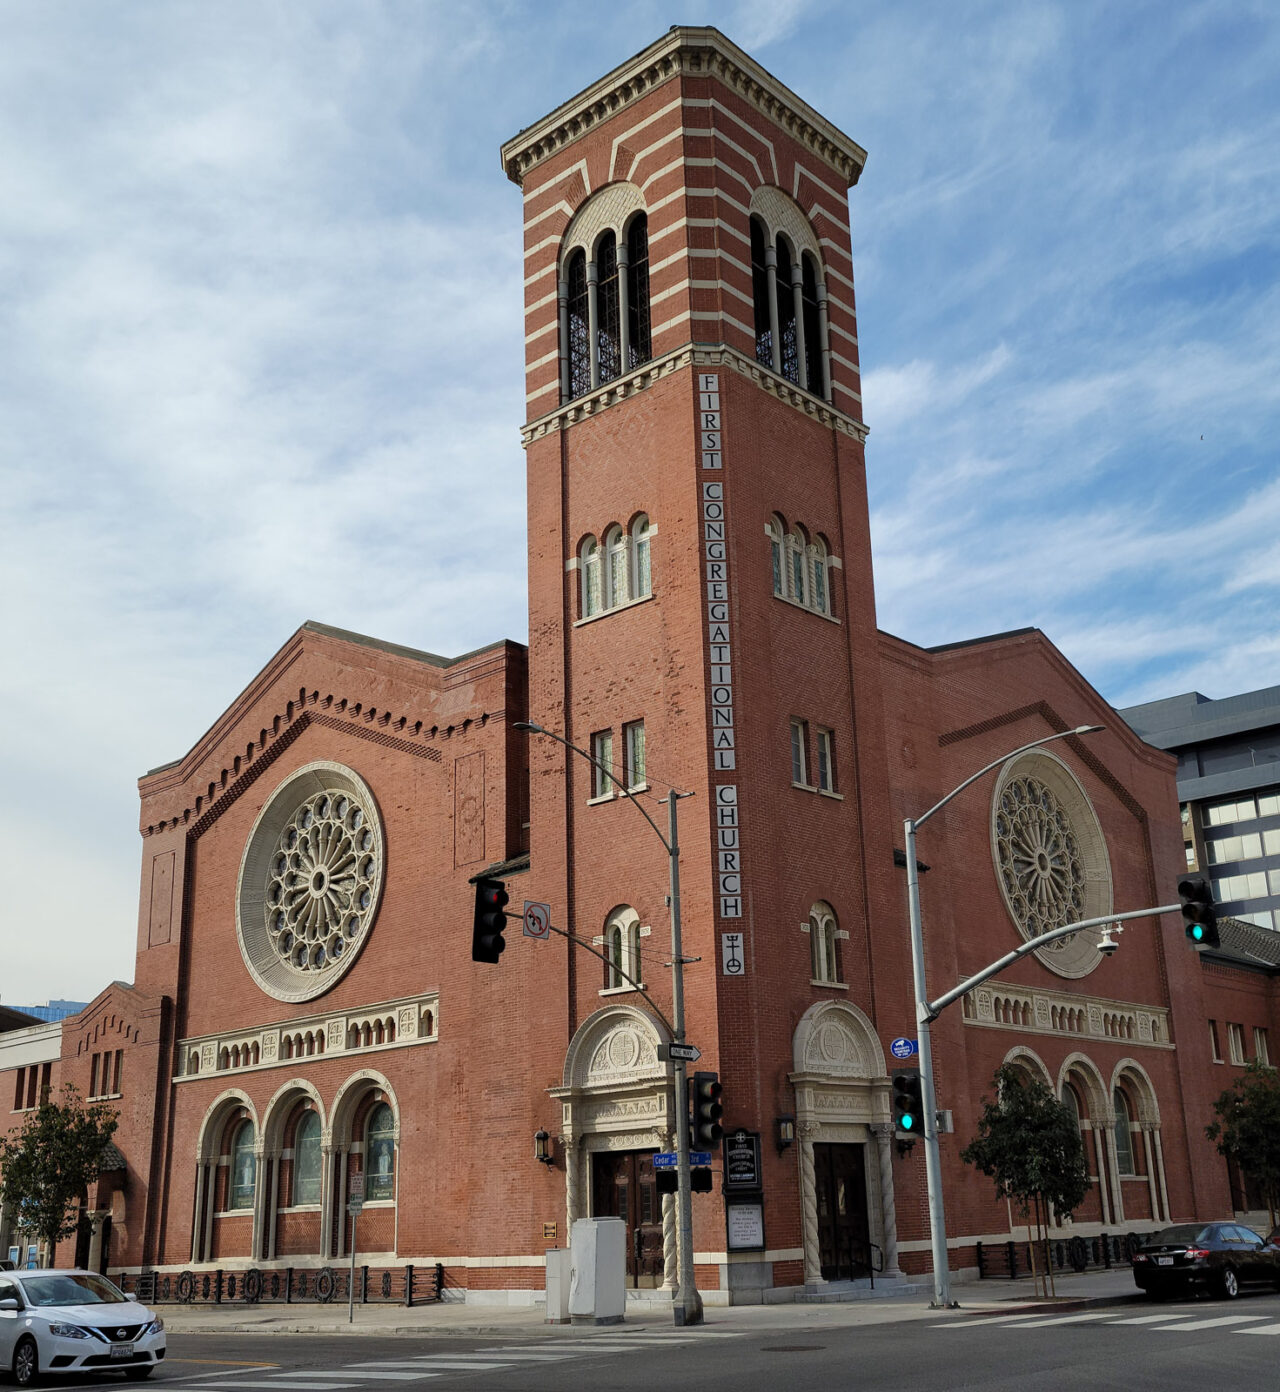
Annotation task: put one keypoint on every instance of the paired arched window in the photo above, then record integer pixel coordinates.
(1123, 1133)
(823, 937)
(244, 1167)
(790, 303)
(306, 1160)
(380, 1153)
(622, 950)
(617, 569)
(604, 309)
(800, 565)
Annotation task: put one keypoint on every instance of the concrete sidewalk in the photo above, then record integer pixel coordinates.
(456, 1319)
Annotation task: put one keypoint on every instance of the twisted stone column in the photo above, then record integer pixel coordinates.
(883, 1133)
(670, 1266)
(809, 1208)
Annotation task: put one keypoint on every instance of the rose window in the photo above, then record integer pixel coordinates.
(1050, 858)
(310, 882)
(1039, 857)
(320, 892)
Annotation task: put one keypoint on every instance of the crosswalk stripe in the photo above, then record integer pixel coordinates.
(1066, 1319)
(980, 1323)
(1149, 1319)
(329, 1386)
(1219, 1322)
(1261, 1329)
(523, 1357)
(454, 1361)
(363, 1374)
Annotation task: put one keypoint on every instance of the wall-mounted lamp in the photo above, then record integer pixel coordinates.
(542, 1148)
(786, 1129)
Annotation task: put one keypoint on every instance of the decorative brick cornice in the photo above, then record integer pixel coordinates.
(642, 378)
(683, 52)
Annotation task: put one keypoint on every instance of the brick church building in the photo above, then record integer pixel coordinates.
(702, 618)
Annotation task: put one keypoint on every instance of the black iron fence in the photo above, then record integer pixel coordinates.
(1011, 1260)
(374, 1285)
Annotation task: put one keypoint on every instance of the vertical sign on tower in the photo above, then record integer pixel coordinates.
(724, 753)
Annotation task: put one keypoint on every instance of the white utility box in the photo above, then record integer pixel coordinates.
(598, 1271)
(559, 1267)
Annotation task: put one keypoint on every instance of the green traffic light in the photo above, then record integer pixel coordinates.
(1198, 931)
(908, 1121)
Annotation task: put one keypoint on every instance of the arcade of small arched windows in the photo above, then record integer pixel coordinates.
(605, 328)
(277, 1189)
(1042, 1013)
(789, 297)
(617, 569)
(800, 563)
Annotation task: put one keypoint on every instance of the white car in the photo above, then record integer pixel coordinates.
(71, 1322)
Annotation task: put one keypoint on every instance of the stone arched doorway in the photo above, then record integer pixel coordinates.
(616, 1111)
(843, 1119)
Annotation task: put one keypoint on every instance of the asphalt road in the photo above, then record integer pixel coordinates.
(1194, 1344)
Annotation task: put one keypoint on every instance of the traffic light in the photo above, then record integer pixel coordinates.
(700, 1180)
(705, 1110)
(908, 1103)
(1198, 914)
(666, 1181)
(487, 941)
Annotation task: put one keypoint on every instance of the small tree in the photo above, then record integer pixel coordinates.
(46, 1166)
(1248, 1128)
(1028, 1142)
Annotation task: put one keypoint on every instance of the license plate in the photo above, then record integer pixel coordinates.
(121, 1351)
(1164, 1261)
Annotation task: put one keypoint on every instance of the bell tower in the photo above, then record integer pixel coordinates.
(701, 605)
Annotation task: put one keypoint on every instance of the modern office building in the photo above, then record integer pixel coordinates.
(1228, 754)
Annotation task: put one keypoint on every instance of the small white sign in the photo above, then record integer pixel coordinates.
(745, 1225)
(355, 1207)
(537, 920)
(355, 1185)
(732, 959)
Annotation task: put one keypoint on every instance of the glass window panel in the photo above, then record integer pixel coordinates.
(775, 548)
(243, 1168)
(602, 751)
(1124, 1137)
(797, 574)
(379, 1154)
(1271, 843)
(306, 1160)
(797, 751)
(617, 572)
(826, 762)
(1250, 846)
(634, 753)
(1269, 805)
(820, 584)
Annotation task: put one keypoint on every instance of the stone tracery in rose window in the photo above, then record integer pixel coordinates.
(1038, 857)
(322, 881)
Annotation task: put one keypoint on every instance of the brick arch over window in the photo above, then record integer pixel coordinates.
(226, 1114)
(1081, 1076)
(356, 1101)
(291, 1234)
(1030, 1062)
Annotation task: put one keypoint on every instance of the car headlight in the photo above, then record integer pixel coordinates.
(68, 1331)
(155, 1327)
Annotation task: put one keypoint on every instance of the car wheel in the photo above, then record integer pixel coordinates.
(1229, 1283)
(26, 1363)
(140, 1372)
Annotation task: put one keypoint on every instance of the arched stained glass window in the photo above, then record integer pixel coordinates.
(608, 342)
(616, 591)
(787, 315)
(306, 1160)
(244, 1166)
(642, 573)
(380, 1154)
(1123, 1133)
(592, 596)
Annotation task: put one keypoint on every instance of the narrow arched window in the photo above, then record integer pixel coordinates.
(579, 332)
(608, 335)
(615, 545)
(622, 950)
(777, 534)
(797, 543)
(812, 374)
(306, 1160)
(589, 563)
(1072, 1102)
(760, 294)
(380, 1153)
(1123, 1133)
(639, 336)
(822, 944)
(244, 1167)
(787, 315)
(819, 572)
(641, 566)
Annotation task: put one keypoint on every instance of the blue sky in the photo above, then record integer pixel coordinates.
(261, 359)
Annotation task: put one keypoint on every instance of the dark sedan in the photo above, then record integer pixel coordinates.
(1223, 1257)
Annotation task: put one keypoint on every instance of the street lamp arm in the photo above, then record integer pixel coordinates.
(1004, 758)
(930, 1010)
(595, 763)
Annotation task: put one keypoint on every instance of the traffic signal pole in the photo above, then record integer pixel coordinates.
(932, 1155)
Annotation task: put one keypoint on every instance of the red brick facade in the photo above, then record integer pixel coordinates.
(730, 678)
